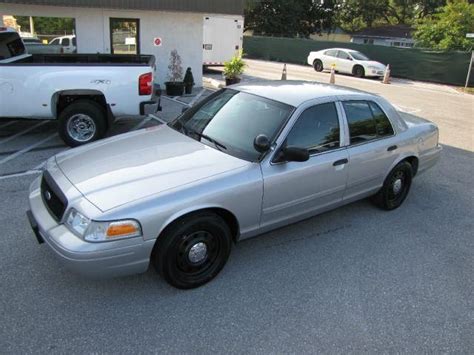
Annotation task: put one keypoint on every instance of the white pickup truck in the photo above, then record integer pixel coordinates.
(85, 92)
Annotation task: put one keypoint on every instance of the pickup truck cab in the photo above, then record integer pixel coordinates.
(85, 92)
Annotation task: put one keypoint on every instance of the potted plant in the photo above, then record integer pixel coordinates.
(175, 85)
(188, 81)
(233, 69)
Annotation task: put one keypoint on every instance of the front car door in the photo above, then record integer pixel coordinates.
(344, 62)
(372, 146)
(294, 190)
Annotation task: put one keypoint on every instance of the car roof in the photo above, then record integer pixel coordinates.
(294, 93)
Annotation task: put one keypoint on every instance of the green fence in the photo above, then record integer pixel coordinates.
(416, 64)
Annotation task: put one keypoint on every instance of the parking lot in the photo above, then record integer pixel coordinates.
(356, 279)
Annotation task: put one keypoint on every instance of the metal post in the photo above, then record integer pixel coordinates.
(32, 26)
(469, 71)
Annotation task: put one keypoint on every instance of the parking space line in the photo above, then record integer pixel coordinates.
(141, 124)
(177, 101)
(8, 139)
(197, 97)
(158, 119)
(11, 176)
(7, 124)
(26, 149)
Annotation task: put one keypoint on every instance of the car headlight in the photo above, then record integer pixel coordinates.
(95, 231)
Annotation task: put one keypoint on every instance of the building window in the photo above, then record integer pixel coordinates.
(368, 41)
(124, 36)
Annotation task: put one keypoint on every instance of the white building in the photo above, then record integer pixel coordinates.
(389, 36)
(134, 26)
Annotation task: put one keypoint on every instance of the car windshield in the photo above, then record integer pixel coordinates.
(229, 121)
(359, 56)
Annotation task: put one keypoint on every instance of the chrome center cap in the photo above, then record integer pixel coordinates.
(397, 186)
(197, 253)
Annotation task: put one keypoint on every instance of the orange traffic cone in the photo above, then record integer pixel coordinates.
(386, 75)
(332, 78)
(283, 75)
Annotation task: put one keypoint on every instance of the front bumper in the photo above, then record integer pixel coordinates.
(109, 259)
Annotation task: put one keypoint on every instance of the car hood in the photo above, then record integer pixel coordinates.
(135, 165)
(373, 63)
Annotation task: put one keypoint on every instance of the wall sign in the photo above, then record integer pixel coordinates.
(157, 42)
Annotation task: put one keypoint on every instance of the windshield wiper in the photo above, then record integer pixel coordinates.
(188, 131)
(206, 137)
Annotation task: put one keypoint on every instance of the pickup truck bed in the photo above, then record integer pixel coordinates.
(83, 91)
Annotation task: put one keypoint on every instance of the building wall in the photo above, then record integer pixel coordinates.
(178, 30)
(388, 42)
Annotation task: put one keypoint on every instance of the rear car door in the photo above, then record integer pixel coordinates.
(372, 147)
(296, 188)
(329, 58)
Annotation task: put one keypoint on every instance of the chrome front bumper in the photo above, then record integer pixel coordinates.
(108, 259)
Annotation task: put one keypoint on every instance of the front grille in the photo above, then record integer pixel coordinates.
(53, 197)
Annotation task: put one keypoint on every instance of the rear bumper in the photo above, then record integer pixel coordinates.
(97, 260)
(429, 159)
(153, 105)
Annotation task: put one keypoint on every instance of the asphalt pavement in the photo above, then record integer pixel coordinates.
(356, 279)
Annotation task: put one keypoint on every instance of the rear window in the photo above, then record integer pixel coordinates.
(366, 121)
(11, 45)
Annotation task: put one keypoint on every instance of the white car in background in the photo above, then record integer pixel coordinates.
(346, 61)
(68, 43)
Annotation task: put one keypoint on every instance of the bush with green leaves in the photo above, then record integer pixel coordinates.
(234, 67)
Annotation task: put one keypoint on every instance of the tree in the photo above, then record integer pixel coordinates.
(447, 29)
(47, 25)
(289, 18)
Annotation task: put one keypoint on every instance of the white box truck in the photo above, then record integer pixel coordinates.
(223, 36)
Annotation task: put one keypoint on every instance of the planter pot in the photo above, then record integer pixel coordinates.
(188, 89)
(231, 81)
(174, 88)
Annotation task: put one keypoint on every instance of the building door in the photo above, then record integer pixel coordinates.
(124, 36)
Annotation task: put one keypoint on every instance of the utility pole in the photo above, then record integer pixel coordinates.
(469, 35)
(32, 26)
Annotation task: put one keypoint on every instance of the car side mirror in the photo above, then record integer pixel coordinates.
(291, 153)
(261, 143)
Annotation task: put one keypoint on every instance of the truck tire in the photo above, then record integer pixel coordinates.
(82, 122)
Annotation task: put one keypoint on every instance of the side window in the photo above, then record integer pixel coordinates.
(361, 121)
(317, 129)
(343, 55)
(331, 52)
(74, 43)
(65, 42)
(54, 42)
(382, 123)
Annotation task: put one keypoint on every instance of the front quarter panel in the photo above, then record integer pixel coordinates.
(238, 192)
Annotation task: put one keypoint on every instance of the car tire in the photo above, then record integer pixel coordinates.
(82, 122)
(318, 65)
(395, 188)
(193, 250)
(358, 71)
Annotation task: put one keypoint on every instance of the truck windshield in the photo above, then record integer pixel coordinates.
(229, 121)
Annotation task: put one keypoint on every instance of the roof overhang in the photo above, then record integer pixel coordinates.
(230, 7)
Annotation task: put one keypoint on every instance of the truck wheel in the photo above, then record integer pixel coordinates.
(193, 250)
(395, 188)
(318, 65)
(82, 122)
(358, 71)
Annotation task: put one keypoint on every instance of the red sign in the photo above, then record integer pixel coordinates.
(157, 42)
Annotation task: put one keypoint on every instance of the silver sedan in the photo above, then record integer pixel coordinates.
(246, 160)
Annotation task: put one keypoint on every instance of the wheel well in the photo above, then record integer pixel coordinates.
(413, 162)
(227, 216)
(64, 99)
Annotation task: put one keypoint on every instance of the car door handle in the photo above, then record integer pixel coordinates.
(392, 147)
(340, 162)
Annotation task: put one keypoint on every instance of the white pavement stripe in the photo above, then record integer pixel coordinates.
(156, 118)
(177, 101)
(197, 97)
(7, 124)
(141, 124)
(29, 172)
(8, 139)
(26, 149)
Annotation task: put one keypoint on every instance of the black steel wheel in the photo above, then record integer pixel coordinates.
(193, 250)
(395, 188)
(318, 65)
